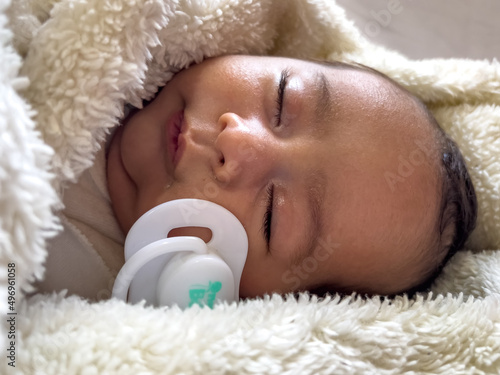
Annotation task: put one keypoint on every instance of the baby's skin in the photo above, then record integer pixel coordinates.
(333, 171)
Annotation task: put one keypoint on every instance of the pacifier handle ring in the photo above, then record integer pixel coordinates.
(148, 253)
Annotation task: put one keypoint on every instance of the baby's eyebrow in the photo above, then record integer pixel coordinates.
(315, 186)
(323, 103)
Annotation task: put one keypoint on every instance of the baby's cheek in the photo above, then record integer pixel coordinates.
(263, 277)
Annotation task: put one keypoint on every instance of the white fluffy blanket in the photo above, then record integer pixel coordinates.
(84, 60)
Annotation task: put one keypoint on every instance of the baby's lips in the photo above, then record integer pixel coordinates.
(175, 142)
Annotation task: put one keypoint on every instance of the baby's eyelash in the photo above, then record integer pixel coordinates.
(281, 95)
(268, 216)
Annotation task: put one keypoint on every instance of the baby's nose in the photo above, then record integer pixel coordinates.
(245, 153)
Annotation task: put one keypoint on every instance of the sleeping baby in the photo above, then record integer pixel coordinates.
(343, 180)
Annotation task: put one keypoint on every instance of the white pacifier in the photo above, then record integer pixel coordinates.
(183, 270)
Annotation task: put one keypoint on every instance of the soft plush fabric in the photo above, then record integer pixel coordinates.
(26, 195)
(85, 59)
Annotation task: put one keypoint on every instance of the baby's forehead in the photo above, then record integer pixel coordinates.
(353, 67)
(373, 79)
(392, 121)
(367, 90)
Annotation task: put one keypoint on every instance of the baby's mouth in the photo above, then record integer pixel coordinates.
(175, 137)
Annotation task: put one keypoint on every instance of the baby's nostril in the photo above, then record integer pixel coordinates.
(221, 160)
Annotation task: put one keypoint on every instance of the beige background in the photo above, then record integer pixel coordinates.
(430, 28)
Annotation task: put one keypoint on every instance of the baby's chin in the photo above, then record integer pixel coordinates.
(121, 188)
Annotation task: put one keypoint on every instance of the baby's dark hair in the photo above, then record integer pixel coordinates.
(458, 206)
(458, 211)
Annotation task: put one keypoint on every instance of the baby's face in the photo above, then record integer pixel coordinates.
(323, 166)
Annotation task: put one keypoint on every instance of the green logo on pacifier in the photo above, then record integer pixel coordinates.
(203, 295)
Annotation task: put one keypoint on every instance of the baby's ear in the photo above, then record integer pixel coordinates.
(204, 233)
